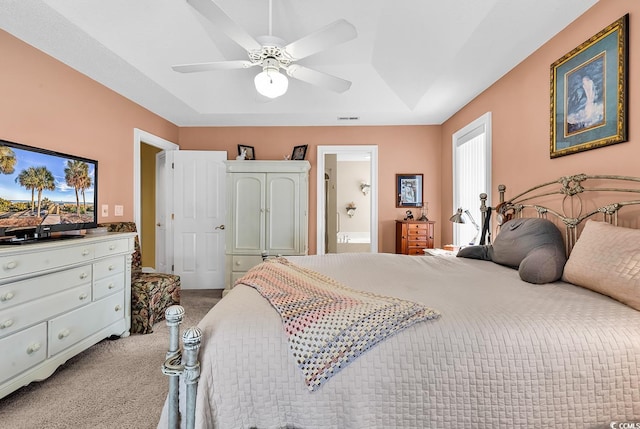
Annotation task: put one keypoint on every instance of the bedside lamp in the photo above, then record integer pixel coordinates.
(458, 218)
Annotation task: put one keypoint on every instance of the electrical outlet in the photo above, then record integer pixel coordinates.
(105, 210)
(118, 210)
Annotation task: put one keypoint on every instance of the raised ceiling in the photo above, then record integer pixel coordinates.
(413, 62)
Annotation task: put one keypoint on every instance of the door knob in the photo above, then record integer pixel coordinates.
(220, 227)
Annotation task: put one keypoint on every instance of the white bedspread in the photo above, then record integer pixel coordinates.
(504, 354)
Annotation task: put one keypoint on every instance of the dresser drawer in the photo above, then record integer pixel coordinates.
(416, 250)
(416, 227)
(30, 263)
(15, 318)
(108, 267)
(112, 247)
(244, 263)
(26, 290)
(22, 351)
(68, 329)
(107, 286)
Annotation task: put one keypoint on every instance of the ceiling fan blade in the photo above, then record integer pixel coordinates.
(221, 65)
(333, 34)
(317, 78)
(218, 18)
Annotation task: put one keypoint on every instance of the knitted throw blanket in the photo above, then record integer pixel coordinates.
(328, 325)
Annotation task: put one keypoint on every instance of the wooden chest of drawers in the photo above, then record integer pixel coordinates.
(413, 236)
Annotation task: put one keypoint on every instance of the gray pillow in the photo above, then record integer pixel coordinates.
(533, 245)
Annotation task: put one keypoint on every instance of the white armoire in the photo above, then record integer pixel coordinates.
(267, 213)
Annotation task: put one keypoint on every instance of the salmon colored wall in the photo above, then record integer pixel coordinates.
(519, 103)
(47, 104)
(402, 149)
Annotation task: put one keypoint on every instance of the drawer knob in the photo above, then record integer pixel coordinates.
(6, 324)
(83, 275)
(33, 348)
(112, 247)
(85, 252)
(83, 296)
(111, 267)
(7, 296)
(11, 265)
(64, 334)
(118, 308)
(238, 263)
(111, 286)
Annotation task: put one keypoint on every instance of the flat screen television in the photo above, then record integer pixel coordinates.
(43, 192)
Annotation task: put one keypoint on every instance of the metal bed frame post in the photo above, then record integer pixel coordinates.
(171, 367)
(174, 367)
(191, 339)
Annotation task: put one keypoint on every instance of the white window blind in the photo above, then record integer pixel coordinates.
(471, 176)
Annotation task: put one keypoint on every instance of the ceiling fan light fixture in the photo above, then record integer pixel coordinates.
(270, 82)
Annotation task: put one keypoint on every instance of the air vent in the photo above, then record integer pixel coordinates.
(348, 118)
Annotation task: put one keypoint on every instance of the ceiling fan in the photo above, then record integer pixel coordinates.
(272, 54)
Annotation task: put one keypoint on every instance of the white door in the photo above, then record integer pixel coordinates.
(199, 208)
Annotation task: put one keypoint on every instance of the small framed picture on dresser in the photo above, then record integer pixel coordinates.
(246, 152)
(299, 153)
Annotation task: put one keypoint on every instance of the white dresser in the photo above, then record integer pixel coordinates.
(58, 298)
(267, 213)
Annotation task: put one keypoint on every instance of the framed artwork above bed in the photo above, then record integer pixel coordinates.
(589, 93)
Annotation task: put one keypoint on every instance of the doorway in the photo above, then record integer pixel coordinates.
(347, 179)
(146, 225)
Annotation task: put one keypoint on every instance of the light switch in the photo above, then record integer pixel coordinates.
(118, 210)
(105, 210)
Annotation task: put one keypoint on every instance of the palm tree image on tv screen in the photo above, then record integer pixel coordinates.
(39, 188)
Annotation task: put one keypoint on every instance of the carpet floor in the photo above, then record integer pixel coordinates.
(114, 384)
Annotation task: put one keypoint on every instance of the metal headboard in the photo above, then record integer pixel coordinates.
(600, 192)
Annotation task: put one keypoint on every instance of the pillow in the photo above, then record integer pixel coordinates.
(475, 252)
(533, 245)
(606, 259)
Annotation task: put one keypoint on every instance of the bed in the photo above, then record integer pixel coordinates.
(502, 352)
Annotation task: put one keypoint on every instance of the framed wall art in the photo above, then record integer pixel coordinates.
(589, 93)
(249, 152)
(409, 190)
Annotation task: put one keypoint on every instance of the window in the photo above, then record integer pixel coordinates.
(471, 176)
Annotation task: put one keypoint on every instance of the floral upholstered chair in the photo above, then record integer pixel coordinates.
(151, 293)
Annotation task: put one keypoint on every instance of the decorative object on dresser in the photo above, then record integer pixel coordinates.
(58, 298)
(151, 293)
(246, 152)
(267, 213)
(413, 236)
(299, 153)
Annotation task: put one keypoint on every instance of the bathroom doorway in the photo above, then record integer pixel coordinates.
(347, 199)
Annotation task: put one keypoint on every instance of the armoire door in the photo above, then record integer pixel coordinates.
(248, 208)
(283, 213)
